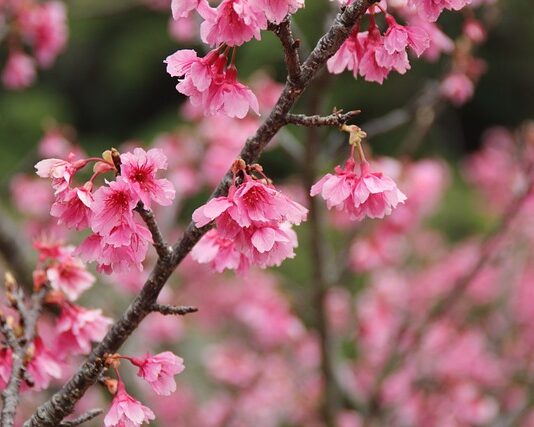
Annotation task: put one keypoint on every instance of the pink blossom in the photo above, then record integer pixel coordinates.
(113, 216)
(19, 71)
(182, 8)
(139, 170)
(69, 275)
(6, 363)
(77, 327)
(228, 96)
(234, 22)
(276, 10)
(46, 28)
(73, 207)
(232, 363)
(431, 9)
(360, 194)
(348, 56)
(398, 38)
(125, 411)
(61, 172)
(457, 88)
(474, 30)
(253, 221)
(369, 67)
(120, 258)
(159, 371)
(31, 195)
(220, 253)
(43, 366)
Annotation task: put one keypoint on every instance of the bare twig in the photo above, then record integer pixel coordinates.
(335, 119)
(172, 310)
(163, 249)
(62, 402)
(291, 49)
(20, 350)
(88, 416)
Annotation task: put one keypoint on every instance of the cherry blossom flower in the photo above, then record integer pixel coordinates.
(431, 9)
(369, 67)
(254, 220)
(117, 258)
(139, 170)
(348, 56)
(229, 96)
(73, 207)
(77, 327)
(45, 26)
(43, 366)
(220, 253)
(360, 192)
(276, 10)
(183, 8)
(398, 38)
(159, 371)
(113, 216)
(60, 171)
(125, 411)
(457, 88)
(234, 22)
(19, 71)
(6, 363)
(69, 275)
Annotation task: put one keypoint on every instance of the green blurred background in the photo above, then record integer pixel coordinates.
(111, 85)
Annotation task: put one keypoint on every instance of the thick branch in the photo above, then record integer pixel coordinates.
(172, 310)
(335, 119)
(62, 402)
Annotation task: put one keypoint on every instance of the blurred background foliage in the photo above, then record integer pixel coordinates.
(111, 86)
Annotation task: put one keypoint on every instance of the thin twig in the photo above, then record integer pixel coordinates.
(88, 416)
(291, 49)
(335, 119)
(62, 402)
(173, 310)
(11, 394)
(163, 249)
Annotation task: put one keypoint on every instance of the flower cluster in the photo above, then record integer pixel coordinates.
(253, 224)
(159, 371)
(38, 26)
(373, 55)
(119, 240)
(357, 190)
(209, 82)
(75, 328)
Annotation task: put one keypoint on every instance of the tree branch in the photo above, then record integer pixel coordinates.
(335, 119)
(163, 249)
(62, 402)
(291, 49)
(88, 416)
(171, 310)
(20, 349)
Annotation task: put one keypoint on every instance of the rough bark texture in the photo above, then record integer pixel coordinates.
(61, 404)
